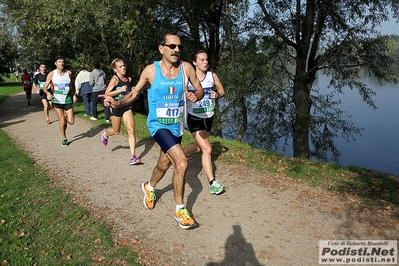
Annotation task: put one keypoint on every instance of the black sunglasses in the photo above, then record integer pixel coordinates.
(173, 46)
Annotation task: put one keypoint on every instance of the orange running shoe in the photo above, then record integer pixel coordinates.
(184, 219)
(48, 121)
(149, 197)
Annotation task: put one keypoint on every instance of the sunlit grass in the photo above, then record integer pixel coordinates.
(373, 188)
(9, 88)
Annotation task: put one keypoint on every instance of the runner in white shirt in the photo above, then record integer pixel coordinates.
(63, 95)
(200, 116)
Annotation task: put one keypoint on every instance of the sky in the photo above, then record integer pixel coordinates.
(390, 27)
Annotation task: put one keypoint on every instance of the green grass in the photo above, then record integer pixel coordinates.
(39, 224)
(9, 88)
(370, 187)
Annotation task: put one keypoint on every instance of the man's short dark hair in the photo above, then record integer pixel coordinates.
(162, 39)
(59, 57)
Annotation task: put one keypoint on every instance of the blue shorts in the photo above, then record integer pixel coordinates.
(166, 139)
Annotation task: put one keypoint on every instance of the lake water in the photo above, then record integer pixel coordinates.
(378, 146)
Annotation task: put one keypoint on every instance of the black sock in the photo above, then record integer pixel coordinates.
(211, 182)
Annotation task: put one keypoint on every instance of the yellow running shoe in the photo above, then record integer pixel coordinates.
(149, 197)
(184, 219)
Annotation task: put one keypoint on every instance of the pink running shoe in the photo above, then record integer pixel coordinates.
(104, 139)
(134, 160)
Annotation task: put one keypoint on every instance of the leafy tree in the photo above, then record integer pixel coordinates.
(8, 49)
(201, 22)
(257, 106)
(254, 66)
(84, 31)
(333, 36)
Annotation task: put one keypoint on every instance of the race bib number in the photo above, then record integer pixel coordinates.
(170, 113)
(203, 106)
(61, 88)
(41, 85)
(122, 94)
(61, 91)
(64, 88)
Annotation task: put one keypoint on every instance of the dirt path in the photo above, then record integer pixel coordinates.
(261, 219)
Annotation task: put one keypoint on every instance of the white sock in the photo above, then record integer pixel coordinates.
(150, 187)
(178, 207)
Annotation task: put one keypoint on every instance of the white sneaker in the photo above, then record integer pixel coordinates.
(107, 121)
(93, 118)
(216, 188)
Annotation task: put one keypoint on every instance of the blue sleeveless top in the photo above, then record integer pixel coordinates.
(166, 101)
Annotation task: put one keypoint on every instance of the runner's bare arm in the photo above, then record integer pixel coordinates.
(145, 78)
(72, 87)
(111, 85)
(192, 77)
(48, 82)
(35, 86)
(219, 92)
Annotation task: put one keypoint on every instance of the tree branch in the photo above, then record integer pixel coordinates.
(274, 25)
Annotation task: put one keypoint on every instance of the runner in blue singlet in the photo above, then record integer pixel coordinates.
(166, 101)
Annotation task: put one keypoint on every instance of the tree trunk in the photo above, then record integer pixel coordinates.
(217, 118)
(213, 22)
(303, 103)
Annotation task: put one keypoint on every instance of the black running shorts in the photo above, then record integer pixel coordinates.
(65, 107)
(118, 112)
(195, 124)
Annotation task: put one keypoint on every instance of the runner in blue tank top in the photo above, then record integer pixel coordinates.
(166, 102)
